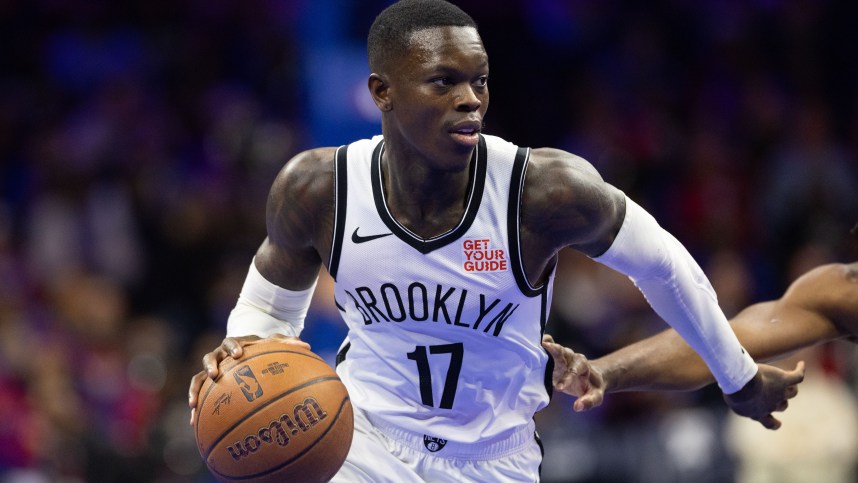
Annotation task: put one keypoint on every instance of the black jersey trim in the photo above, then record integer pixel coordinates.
(516, 189)
(341, 354)
(543, 322)
(475, 196)
(340, 192)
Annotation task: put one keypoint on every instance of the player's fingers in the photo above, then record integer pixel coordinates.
(791, 391)
(797, 374)
(194, 388)
(194, 391)
(211, 361)
(553, 348)
(579, 364)
(232, 347)
(770, 422)
(588, 401)
(579, 374)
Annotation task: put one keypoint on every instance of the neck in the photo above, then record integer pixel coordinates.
(427, 200)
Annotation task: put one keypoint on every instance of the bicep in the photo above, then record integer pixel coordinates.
(772, 331)
(298, 221)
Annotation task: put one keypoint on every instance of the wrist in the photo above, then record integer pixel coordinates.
(606, 372)
(748, 391)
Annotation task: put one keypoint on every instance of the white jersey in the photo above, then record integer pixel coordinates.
(444, 333)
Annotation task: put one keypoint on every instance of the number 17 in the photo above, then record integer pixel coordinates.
(420, 356)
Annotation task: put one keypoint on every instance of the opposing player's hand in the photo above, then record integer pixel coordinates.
(770, 390)
(232, 347)
(574, 375)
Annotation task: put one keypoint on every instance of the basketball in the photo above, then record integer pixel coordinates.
(278, 413)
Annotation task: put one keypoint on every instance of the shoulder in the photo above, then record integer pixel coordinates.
(316, 161)
(566, 197)
(563, 161)
(833, 280)
(307, 176)
(568, 182)
(302, 196)
(831, 290)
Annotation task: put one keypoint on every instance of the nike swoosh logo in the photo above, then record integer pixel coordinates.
(363, 239)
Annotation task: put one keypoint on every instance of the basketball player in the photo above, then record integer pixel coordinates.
(818, 307)
(443, 242)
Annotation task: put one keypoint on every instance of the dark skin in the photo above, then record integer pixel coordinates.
(819, 307)
(433, 101)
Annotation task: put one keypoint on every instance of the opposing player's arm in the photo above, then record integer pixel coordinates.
(830, 293)
(819, 306)
(665, 362)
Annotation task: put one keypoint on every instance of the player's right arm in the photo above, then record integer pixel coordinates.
(277, 292)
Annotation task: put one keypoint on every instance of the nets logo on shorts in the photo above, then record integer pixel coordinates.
(478, 255)
(433, 444)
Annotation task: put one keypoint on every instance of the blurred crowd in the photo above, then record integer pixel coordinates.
(138, 140)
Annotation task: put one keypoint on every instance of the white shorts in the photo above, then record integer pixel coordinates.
(393, 455)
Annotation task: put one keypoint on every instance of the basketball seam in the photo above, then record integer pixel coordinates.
(276, 398)
(297, 456)
(224, 370)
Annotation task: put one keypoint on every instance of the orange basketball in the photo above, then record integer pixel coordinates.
(278, 413)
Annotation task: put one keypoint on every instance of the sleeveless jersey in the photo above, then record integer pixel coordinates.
(444, 334)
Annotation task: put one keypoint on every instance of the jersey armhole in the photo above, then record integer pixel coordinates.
(516, 190)
(340, 197)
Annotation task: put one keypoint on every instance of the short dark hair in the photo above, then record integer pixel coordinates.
(391, 31)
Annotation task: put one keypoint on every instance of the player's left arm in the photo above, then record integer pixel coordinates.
(586, 213)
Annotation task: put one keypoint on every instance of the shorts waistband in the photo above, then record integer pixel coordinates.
(428, 444)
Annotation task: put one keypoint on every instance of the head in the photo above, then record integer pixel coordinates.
(429, 74)
(390, 34)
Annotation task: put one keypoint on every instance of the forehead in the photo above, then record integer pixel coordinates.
(442, 45)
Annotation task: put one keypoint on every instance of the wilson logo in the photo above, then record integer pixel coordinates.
(280, 431)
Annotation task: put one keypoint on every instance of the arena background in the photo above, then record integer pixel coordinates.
(138, 140)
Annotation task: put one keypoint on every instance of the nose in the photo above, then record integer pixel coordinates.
(466, 99)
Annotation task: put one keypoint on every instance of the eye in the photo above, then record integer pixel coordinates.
(443, 81)
(482, 81)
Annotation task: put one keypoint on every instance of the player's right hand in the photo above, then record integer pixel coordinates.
(230, 347)
(770, 390)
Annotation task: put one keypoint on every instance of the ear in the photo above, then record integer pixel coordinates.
(379, 89)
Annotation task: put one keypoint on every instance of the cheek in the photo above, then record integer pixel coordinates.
(423, 114)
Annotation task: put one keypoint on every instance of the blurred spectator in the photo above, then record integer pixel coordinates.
(818, 442)
(138, 141)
